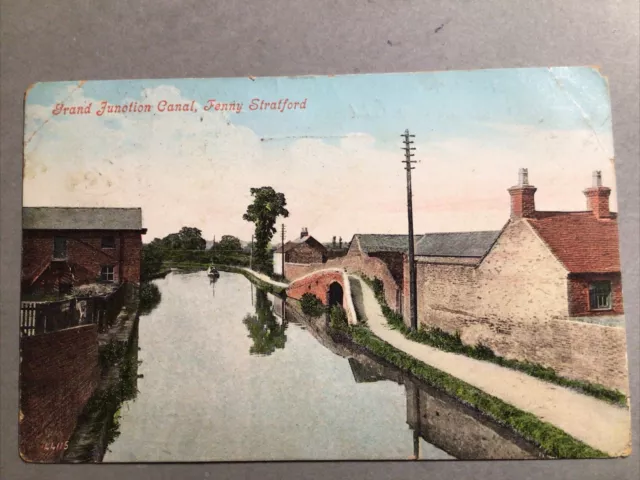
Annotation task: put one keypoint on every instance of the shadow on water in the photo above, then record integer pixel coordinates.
(98, 425)
(150, 297)
(267, 334)
(441, 421)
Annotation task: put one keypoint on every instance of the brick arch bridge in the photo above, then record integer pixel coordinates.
(330, 285)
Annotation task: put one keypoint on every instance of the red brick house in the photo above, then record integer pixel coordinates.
(303, 250)
(64, 247)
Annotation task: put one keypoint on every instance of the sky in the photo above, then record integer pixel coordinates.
(338, 160)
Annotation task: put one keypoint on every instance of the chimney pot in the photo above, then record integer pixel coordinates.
(522, 196)
(597, 178)
(598, 196)
(523, 177)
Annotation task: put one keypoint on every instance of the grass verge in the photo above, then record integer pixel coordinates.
(442, 340)
(551, 440)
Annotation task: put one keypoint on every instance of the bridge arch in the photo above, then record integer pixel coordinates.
(330, 285)
(335, 294)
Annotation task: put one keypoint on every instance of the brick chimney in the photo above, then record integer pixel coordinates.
(522, 202)
(304, 232)
(598, 197)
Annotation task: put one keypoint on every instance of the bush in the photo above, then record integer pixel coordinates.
(149, 296)
(339, 319)
(311, 305)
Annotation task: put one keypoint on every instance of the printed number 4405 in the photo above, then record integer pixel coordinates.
(56, 446)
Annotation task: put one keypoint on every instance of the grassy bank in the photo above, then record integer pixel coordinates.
(550, 439)
(252, 278)
(442, 340)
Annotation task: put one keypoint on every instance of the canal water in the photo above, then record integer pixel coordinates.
(224, 378)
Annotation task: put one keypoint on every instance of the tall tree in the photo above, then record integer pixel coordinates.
(267, 206)
(191, 239)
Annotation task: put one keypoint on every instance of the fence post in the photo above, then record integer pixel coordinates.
(40, 320)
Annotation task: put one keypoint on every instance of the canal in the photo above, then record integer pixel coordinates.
(224, 378)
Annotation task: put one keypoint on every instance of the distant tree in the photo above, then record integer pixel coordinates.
(172, 242)
(229, 243)
(267, 206)
(191, 239)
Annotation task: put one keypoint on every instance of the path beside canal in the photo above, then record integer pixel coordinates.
(265, 278)
(596, 423)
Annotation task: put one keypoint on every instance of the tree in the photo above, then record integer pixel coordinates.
(229, 243)
(191, 239)
(151, 260)
(267, 206)
(172, 241)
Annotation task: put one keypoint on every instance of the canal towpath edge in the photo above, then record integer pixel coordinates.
(596, 423)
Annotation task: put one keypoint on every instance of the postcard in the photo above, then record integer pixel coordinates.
(410, 266)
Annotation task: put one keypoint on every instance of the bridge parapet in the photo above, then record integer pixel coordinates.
(330, 285)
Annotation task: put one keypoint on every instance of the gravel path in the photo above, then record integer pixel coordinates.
(596, 423)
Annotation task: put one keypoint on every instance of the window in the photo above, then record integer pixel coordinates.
(109, 242)
(59, 247)
(106, 273)
(600, 295)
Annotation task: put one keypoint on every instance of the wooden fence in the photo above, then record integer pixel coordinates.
(45, 317)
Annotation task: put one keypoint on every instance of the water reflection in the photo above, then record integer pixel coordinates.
(265, 331)
(434, 418)
(210, 392)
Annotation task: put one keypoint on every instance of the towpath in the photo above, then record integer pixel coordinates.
(599, 424)
(265, 278)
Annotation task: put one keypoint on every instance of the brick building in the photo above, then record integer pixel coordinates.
(303, 250)
(65, 247)
(546, 288)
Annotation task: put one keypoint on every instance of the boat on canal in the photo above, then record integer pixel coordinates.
(213, 272)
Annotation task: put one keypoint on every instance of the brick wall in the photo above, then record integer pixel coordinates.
(58, 374)
(354, 262)
(316, 283)
(305, 253)
(85, 255)
(516, 302)
(579, 303)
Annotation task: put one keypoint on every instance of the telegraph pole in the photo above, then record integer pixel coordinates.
(412, 266)
(282, 241)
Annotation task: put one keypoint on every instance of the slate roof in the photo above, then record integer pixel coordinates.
(581, 242)
(370, 243)
(69, 218)
(456, 244)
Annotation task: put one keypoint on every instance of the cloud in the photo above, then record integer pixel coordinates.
(196, 169)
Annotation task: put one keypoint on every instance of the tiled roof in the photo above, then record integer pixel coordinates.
(68, 218)
(370, 243)
(580, 241)
(456, 244)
